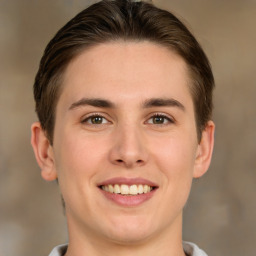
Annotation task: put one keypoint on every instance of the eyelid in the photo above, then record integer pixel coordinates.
(86, 117)
(170, 119)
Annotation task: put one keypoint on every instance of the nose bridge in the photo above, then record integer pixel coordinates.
(128, 147)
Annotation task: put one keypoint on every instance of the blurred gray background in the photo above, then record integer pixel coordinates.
(220, 215)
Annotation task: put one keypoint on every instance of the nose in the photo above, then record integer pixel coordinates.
(128, 148)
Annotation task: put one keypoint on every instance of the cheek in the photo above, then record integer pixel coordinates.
(175, 159)
(77, 159)
(77, 163)
(177, 166)
(176, 154)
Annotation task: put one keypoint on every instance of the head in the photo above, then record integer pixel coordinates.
(110, 21)
(124, 99)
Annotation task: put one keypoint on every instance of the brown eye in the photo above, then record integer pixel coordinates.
(96, 120)
(158, 120)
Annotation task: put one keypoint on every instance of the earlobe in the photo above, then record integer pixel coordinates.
(43, 152)
(204, 151)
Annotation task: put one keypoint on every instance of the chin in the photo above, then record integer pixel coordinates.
(130, 231)
(132, 238)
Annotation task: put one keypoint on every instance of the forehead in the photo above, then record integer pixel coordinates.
(122, 70)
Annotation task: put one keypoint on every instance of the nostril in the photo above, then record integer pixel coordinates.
(129, 163)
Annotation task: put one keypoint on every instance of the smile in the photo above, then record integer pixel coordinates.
(129, 190)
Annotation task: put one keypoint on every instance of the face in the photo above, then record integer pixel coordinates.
(125, 146)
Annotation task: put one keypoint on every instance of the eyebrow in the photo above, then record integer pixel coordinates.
(163, 102)
(102, 103)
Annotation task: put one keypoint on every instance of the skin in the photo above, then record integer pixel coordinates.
(128, 141)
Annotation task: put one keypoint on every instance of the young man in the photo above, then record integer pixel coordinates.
(124, 100)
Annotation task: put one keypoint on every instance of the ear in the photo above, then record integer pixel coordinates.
(204, 150)
(43, 152)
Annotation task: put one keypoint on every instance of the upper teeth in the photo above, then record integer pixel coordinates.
(126, 189)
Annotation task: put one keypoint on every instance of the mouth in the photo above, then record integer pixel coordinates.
(127, 190)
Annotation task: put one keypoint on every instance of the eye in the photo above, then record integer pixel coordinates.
(160, 119)
(95, 120)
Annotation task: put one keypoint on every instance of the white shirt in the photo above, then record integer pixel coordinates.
(189, 248)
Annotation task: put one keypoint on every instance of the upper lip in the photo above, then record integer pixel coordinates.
(128, 181)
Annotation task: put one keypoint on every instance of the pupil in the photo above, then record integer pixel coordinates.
(97, 120)
(158, 120)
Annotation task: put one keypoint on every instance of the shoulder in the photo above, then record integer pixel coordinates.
(193, 250)
(59, 250)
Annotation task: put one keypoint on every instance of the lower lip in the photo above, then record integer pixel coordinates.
(127, 200)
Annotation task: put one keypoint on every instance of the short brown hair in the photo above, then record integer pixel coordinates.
(111, 20)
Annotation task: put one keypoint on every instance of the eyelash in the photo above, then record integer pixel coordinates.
(88, 118)
(167, 119)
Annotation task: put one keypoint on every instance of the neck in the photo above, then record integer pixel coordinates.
(167, 242)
